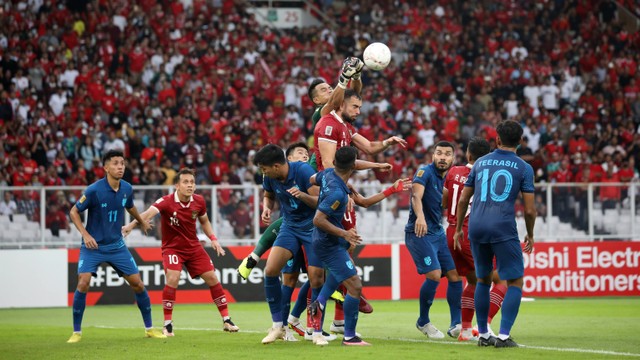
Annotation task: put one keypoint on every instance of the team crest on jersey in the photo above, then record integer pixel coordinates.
(328, 130)
(82, 199)
(194, 214)
(420, 173)
(335, 205)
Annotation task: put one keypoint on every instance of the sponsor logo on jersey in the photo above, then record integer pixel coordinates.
(328, 130)
(335, 205)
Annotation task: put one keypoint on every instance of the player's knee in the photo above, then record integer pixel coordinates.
(83, 286)
(516, 282)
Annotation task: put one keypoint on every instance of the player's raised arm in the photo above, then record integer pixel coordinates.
(375, 147)
(366, 165)
(351, 71)
(398, 186)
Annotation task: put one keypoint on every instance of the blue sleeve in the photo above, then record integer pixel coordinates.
(87, 199)
(421, 177)
(471, 179)
(527, 181)
(266, 184)
(319, 177)
(332, 202)
(304, 174)
(129, 203)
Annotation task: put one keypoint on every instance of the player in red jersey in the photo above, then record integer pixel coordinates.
(335, 130)
(180, 245)
(453, 185)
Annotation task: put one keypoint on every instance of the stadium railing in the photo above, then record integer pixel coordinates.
(566, 212)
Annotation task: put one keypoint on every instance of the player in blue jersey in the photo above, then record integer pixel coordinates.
(102, 240)
(280, 176)
(499, 178)
(331, 243)
(426, 241)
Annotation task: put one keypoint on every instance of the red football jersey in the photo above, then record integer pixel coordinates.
(333, 129)
(454, 183)
(179, 221)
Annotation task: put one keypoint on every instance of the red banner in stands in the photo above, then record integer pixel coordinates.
(560, 269)
(373, 263)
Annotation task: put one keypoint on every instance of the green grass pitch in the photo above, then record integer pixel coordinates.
(590, 328)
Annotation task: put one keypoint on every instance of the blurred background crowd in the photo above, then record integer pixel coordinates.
(200, 83)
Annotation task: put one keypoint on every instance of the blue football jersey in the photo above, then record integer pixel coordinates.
(106, 212)
(295, 213)
(433, 183)
(497, 179)
(334, 195)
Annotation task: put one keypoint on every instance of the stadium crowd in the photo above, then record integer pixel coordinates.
(201, 84)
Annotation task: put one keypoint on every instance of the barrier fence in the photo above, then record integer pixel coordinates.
(566, 212)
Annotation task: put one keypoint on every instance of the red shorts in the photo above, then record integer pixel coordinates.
(461, 257)
(349, 220)
(196, 261)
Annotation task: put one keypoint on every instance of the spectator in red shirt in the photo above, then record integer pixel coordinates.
(241, 221)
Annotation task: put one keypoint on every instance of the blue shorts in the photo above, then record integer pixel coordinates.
(509, 259)
(293, 239)
(120, 260)
(336, 259)
(429, 252)
(296, 264)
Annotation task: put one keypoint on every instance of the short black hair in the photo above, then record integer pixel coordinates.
(269, 155)
(478, 147)
(311, 92)
(510, 133)
(445, 144)
(349, 93)
(111, 154)
(345, 158)
(299, 144)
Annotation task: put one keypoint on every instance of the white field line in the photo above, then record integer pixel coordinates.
(441, 342)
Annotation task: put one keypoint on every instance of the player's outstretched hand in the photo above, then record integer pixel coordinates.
(266, 216)
(396, 140)
(528, 244)
(146, 226)
(126, 230)
(90, 242)
(458, 236)
(217, 247)
(403, 184)
(420, 228)
(352, 237)
(295, 192)
(350, 66)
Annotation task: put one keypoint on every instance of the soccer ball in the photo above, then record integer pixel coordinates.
(376, 56)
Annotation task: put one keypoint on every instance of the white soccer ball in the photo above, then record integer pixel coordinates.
(377, 56)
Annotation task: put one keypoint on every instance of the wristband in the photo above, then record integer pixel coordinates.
(385, 143)
(391, 190)
(213, 237)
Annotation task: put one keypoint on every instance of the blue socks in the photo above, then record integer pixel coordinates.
(144, 304)
(287, 291)
(427, 294)
(482, 302)
(350, 315)
(510, 307)
(301, 303)
(454, 298)
(79, 303)
(274, 297)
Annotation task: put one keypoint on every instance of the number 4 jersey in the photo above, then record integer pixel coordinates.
(497, 178)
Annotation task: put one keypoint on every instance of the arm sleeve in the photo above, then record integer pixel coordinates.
(471, 179)
(326, 131)
(129, 203)
(266, 184)
(203, 206)
(86, 200)
(421, 177)
(527, 181)
(332, 202)
(304, 174)
(160, 205)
